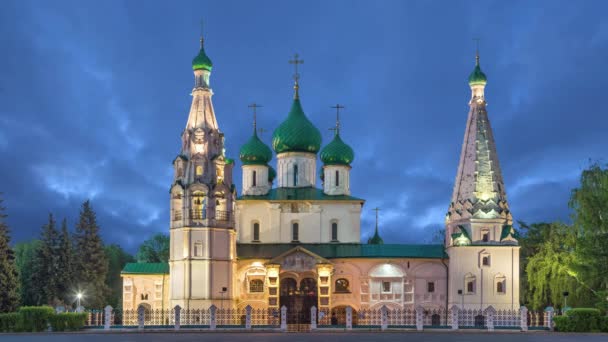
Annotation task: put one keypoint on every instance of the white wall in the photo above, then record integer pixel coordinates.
(314, 219)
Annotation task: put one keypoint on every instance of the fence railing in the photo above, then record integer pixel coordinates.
(346, 318)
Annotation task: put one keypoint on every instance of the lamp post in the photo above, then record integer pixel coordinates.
(78, 298)
(461, 299)
(565, 300)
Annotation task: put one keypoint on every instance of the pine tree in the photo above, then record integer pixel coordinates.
(91, 264)
(9, 277)
(66, 264)
(46, 265)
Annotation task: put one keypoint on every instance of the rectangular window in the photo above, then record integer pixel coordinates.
(253, 180)
(256, 232)
(386, 286)
(500, 287)
(198, 249)
(334, 231)
(295, 232)
(470, 287)
(485, 237)
(337, 178)
(430, 287)
(485, 261)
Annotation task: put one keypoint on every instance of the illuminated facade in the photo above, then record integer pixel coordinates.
(298, 246)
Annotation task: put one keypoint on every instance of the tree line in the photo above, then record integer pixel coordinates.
(53, 269)
(559, 258)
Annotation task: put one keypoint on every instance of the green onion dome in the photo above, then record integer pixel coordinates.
(272, 174)
(376, 239)
(296, 133)
(202, 61)
(337, 152)
(255, 152)
(229, 161)
(477, 77)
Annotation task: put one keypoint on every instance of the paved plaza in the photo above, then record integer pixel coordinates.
(301, 337)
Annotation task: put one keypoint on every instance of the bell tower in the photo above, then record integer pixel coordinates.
(480, 240)
(203, 241)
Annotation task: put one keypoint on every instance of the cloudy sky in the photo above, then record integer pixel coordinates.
(94, 96)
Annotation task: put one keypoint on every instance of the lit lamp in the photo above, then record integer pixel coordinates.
(78, 298)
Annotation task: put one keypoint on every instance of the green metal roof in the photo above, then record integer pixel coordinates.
(202, 61)
(292, 194)
(477, 77)
(507, 230)
(337, 152)
(341, 250)
(146, 268)
(296, 133)
(255, 152)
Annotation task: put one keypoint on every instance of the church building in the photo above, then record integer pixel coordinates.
(283, 241)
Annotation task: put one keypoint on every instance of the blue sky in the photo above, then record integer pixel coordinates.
(94, 96)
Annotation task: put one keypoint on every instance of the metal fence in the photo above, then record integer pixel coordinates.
(342, 318)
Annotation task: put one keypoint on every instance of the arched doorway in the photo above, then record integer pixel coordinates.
(298, 299)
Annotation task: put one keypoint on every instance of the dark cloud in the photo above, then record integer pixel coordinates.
(93, 99)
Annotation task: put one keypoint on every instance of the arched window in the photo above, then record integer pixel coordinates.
(256, 232)
(253, 178)
(295, 175)
(334, 231)
(501, 284)
(342, 285)
(256, 285)
(470, 283)
(337, 178)
(295, 231)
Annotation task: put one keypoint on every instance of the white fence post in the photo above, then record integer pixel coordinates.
(454, 312)
(349, 318)
(549, 311)
(419, 318)
(141, 317)
(248, 317)
(178, 316)
(384, 314)
(212, 317)
(523, 317)
(490, 312)
(283, 318)
(313, 318)
(108, 318)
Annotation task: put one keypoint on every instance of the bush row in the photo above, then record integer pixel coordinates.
(581, 320)
(38, 318)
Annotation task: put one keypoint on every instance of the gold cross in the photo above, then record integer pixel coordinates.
(337, 107)
(255, 106)
(296, 77)
(376, 209)
(477, 49)
(261, 130)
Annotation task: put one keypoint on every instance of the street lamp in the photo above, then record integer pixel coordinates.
(565, 300)
(78, 297)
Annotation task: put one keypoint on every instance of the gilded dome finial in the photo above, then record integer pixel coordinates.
(476, 51)
(337, 107)
(376, 239)
(296, 76)
(255, 106)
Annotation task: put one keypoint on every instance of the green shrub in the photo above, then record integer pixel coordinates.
(75, 321)
(604, 324)
(579, 320)
(67, 321)
(10, 322)
(36, 318)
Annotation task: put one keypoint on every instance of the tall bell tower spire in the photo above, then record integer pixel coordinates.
(480, 241)
(203, 239)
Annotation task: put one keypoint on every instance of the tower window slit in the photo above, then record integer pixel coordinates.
(256, 232)
(253, 178)
(295, 232)
(337, 178)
